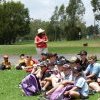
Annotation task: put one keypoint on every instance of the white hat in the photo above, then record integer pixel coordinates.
(40, 31)
(73, 59)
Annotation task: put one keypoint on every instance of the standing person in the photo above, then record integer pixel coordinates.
(41, 40)
(21, 62)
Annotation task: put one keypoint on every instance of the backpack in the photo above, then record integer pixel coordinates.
(58, 95)
(30, 85)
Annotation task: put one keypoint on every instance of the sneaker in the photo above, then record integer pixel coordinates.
(91, 92)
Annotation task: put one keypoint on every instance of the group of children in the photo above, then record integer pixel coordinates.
(63, 79)
(25, 63)
(57, 77)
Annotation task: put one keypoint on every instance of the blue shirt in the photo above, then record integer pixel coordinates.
(93, 69)
(82, 85)
(69, 76)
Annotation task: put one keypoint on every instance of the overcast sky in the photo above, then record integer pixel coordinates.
(43, 9)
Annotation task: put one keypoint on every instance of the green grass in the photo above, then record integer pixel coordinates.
(9, 90)
(10, 79)
(62, 47)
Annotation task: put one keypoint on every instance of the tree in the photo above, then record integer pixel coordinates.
(66, 19)
(96, 5)
(62, 20)
(75, 11)
(14, 21)
(35, 25)
(55, 23)
(96, 9)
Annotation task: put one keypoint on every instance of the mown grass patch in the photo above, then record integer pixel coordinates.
(62, 47)
(9, 90)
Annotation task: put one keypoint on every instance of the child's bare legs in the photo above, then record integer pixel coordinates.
(98, 80)
(48, 82)
(45, 82)
(42, 83)
(51, 91)
(73, 94)
(95, 86)
(46, 85)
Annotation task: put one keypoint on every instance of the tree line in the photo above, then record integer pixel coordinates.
(14, 21)
(66, 23)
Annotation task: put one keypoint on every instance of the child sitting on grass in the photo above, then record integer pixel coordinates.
(21, 63)
(5, 64)
(29, 64)
(80, 89)
(92, 73)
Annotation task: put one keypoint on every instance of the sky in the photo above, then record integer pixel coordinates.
(43, 9)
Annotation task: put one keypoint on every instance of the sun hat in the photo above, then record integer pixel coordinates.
(83, 52)
(40, 31)
(73, 59)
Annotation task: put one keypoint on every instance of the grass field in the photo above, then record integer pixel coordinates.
(9, 90)
(9, 80)
(62, 47)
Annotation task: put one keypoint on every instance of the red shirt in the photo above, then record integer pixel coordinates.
(40, 42)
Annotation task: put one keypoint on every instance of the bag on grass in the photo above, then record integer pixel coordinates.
(30, 85)
(59, 94)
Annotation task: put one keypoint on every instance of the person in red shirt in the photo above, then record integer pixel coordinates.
(41, 40)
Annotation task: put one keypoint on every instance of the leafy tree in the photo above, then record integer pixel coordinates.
(75, 11)
(14, 21)
(65, 20)
(96, 5)
(55, 23)
(35, 25)
(62, 20)
(96, 9)
(90, 30)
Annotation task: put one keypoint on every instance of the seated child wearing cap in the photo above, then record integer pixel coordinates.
(57, 75)
(83, 59)
(29, 62)
(5, 64)
(21, 63)
(67, 79)
(41, 70)
(80, 89)
(30, 87)
(44, 57)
